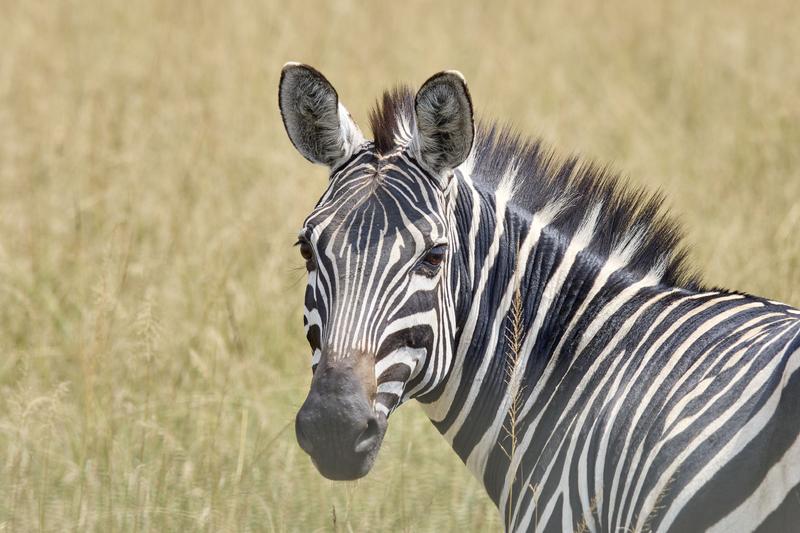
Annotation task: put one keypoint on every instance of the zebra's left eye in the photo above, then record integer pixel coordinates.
(435, 256)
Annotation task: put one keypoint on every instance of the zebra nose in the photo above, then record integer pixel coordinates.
(372, 435)
(337, 425)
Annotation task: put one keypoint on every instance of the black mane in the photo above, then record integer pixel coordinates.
(542, 179)
(387, 115)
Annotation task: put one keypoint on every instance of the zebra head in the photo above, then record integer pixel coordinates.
(380, 252)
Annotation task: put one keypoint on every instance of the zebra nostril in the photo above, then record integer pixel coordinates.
(369, 437)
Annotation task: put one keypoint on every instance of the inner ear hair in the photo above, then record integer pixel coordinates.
(312, 116)
(445, 125)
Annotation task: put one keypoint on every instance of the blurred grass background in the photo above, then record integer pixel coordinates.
(151, 347)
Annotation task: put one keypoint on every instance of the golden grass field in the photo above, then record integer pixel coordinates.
(151, 348)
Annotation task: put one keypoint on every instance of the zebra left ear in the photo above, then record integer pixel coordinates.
(445, 127)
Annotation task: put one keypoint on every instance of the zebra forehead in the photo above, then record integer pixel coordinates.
(377, 200)
(374, 222)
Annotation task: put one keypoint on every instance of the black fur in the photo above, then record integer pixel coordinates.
(383, 118)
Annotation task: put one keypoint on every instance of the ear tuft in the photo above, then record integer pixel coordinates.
(445, 125)
(317, 124)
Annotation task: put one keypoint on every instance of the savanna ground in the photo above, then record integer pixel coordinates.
(151, 347)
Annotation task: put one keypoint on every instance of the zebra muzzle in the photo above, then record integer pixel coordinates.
(337, 425)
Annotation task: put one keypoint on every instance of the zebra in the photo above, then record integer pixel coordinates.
(542, 311)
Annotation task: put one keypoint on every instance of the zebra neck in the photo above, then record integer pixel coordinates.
(527, 292)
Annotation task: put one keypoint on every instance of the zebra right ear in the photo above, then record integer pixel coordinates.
(445, 126)
(317, 123)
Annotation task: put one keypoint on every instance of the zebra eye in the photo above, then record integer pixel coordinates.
(435, 255)
(305, 251)
(308, 254)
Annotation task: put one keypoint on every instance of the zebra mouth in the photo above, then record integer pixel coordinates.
(341, 462)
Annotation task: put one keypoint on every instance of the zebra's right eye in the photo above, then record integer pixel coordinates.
(308, 254)
(305, 251)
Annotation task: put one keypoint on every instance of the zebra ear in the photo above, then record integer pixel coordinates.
(318, 125)
(445, 127)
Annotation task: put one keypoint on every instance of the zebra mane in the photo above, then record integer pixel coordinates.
(628, 222)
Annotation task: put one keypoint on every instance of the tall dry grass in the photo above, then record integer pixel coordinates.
(152, 355)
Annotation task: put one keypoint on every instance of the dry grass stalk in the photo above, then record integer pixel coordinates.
(513, 379)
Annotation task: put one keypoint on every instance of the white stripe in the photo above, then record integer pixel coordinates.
(391, 387)
(473, 230)
(405, 356)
